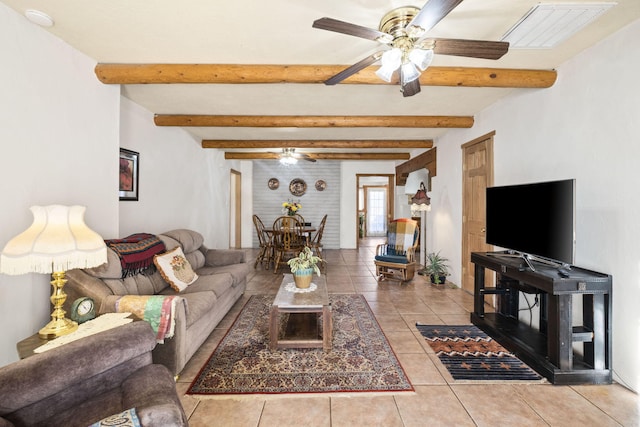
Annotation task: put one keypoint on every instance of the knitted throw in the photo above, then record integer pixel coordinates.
(158, 310)
(401, 235)
(136, 252)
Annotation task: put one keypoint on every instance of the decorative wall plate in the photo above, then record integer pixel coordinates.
(274, 183)
(320, 185)
(297, 187)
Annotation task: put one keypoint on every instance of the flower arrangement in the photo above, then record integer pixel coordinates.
(290, 208)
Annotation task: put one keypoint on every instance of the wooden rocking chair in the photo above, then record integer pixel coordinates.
(396, 259)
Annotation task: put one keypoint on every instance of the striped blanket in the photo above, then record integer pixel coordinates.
(136, 252)
(158, 310)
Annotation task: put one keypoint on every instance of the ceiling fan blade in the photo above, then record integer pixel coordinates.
(411, 88)
(347, 72)
(337, 26)
(469, 48)
(306, 157)
(431, 13)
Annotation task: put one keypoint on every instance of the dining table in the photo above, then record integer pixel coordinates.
(307, 230)
(271, 232)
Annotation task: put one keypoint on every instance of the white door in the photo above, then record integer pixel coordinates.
(376, 211)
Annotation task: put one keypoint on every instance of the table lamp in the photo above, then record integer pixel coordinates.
(57, 241)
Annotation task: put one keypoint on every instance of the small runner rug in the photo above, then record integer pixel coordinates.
(361, 359)
(470, 354)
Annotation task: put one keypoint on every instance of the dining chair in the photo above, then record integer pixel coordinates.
(315, 243)
(398, 253)
(265, 254)
(288, 239)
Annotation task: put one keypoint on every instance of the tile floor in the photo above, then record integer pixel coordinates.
(437, 400)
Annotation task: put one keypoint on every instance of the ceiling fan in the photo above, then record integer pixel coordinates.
(404, 30)
(290, 157)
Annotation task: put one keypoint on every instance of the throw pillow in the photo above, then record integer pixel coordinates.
(175, 269)
(128, 418)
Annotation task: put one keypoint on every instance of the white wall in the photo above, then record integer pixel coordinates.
(584, 127)
(60, 136)
(182, 185)
(59, 139)
(315, 204)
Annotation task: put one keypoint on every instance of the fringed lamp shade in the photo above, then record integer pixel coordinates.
(57, 241)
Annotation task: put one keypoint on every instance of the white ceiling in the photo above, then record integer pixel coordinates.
(280, 32)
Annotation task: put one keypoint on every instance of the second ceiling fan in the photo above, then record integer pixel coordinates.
(404, 30)
(289, 156)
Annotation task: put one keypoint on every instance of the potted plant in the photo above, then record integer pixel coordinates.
(436, 267)
(303, 266)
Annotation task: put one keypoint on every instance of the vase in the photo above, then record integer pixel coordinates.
(302, 278)
(438, 279)
(291, 213)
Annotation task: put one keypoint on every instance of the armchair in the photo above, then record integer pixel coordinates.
(84, 381)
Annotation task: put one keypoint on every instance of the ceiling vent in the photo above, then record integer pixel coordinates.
(547, 25)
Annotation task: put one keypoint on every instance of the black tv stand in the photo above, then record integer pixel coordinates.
(528, 259)
(549, 349)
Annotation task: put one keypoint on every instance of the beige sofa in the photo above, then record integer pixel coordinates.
(222, 278)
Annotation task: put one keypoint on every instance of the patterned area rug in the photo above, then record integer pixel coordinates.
(361, 359)
(470, 354)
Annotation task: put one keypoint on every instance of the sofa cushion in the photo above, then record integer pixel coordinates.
(111, 270)
(219, 284)
(169, 243)
(197, 304)
(175, 269)
(189, 240)
(238, 272)
(139, 284)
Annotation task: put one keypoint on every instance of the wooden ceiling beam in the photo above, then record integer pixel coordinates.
(318, 156)
(192, 120)
(350, 144)
(427, 160)
(263, 73)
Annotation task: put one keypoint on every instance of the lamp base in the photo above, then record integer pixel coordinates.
(59, 324)
(56, 328)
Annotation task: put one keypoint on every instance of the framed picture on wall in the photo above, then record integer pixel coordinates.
(128, 176)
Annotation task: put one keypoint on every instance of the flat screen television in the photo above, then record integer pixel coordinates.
(535, 220)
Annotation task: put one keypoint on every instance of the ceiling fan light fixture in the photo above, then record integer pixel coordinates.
(288, 157)
(392, 58)
(385, 73)
(421, 58)
(409, 72)
(391, 61)
(287, 161)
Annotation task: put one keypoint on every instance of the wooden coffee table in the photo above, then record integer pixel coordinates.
(302, 329)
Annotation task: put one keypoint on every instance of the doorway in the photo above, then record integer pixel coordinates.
(235, 208)
(477, 175)
(375, 208)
